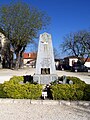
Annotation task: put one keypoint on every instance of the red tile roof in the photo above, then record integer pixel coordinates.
(29, 55)
(70, 57)
(88, 60)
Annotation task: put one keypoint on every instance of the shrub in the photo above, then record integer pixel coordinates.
(76, 91)
(68, 78)
(76, 80)
(16, 79)
(2, 93)
(66, 92)
(87, 92)
(18, 91)
(60, 91)
(13, 89)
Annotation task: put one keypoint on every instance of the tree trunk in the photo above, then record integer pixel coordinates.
(21, 60)
(21, 57)
(10, 62)
(17, 61)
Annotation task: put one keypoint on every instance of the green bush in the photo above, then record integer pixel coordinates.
(13, 89)
(16, 79)
(87, 92)
(66, 92)
(2, 93)
(76, 80)
(79, 90)
(18, 91)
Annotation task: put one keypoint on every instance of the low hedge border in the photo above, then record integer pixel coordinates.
(79, 90)
(14, 89)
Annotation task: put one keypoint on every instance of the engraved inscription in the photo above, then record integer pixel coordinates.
(45, 62)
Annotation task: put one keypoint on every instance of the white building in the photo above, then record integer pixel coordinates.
(29, 59)
(87, 64)
(72, 59)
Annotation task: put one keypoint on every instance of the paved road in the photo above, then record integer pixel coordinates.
(6, 74)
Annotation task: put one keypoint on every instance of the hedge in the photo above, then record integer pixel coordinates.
(13, 89)
(76, 80)
(67, 92)
(2, 93)
(87, 92)
(79, 90)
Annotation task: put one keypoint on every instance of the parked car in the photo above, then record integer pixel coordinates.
(79, 68)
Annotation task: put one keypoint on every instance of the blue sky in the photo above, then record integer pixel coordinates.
(66, 16)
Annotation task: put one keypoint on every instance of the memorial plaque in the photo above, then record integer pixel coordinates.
(45, 65)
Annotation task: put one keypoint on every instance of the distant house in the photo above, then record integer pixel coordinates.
(29, 59)
(69, 61)
(87, 64)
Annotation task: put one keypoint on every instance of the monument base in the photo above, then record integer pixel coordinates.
(45, 79)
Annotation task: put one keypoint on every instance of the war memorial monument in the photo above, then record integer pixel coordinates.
(45, 65)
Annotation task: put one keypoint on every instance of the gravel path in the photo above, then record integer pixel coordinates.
(20, 111)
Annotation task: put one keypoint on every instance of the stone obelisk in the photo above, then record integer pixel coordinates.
(45, 65)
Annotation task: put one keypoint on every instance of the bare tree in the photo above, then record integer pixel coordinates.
(56, 53)
(77, 44)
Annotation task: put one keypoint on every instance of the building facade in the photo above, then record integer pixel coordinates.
(71, 60)
(29, 59)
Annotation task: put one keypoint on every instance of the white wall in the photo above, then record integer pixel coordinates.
(87, 64)
(25, 60)
(71, 59)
